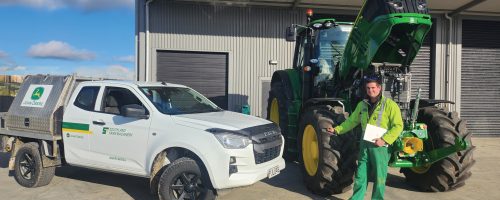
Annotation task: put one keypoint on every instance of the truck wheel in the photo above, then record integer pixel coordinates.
(451, 172)
(183, 180)
(277, 109)
(29, 171)
(328, 162)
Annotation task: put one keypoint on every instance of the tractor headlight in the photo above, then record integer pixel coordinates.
(422, 6)
(232, 141)
(396, 4)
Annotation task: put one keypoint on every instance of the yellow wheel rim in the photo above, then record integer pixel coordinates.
(421, 170)
(310, 150)
(275, 112)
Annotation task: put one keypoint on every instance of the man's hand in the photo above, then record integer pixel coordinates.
(379, 142)
(331, 131)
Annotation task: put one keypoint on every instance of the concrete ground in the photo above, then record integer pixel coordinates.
(77, 183)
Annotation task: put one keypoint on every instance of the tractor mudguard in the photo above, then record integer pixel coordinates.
(429, 102)
(282, 77)
(324, 101)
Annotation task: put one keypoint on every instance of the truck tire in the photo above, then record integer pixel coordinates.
(328, 162)
(29, 171)
(277, 109)
(451, 172)
(182, 179)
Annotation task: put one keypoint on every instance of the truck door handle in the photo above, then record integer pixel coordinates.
(98, 122)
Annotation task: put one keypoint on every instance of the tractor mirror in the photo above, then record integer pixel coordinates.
(291, 34)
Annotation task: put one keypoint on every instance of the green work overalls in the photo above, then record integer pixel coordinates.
(372, 159)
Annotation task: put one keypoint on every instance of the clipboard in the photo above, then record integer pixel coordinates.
(373, 132)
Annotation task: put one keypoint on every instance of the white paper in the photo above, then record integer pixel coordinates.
(373, 132)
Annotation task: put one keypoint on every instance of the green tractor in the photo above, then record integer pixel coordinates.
(331, 58)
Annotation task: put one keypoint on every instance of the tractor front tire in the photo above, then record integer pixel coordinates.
(451, 172)
(277, 110)
(328, 162)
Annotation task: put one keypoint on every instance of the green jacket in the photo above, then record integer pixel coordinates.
(391, 119)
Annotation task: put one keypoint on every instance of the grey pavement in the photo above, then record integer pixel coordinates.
(76, 183)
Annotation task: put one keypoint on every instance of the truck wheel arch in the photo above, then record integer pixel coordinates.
(168, 155)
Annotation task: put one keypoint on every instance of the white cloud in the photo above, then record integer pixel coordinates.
(59, 50)
(3, 54)
(130, 58)
(112, 72)
(12, 68)
(87, 5)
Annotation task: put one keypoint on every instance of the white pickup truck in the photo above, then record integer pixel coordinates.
(186, 145)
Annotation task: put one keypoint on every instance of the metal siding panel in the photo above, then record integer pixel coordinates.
(251, 35)
(481, 76)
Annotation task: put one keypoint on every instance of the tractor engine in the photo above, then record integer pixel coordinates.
(396, 84)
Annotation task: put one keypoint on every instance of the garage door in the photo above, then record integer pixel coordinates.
(421, 68)
(481, 76)
(202, 71)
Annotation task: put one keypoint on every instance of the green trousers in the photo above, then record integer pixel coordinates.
(373, 161)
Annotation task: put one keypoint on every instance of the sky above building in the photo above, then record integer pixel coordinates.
(93, 38)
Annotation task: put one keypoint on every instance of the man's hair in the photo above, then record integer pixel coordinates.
(372, 79)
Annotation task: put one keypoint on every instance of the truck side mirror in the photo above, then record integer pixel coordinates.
(134, 111)
(291, 33)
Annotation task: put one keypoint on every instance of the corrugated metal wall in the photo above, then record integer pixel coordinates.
(481, 76)
(252, 36)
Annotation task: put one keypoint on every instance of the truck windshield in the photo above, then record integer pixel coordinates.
(177, 100)
(330, 45)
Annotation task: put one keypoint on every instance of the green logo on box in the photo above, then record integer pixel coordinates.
(37, 93)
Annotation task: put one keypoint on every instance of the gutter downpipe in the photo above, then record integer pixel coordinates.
(147, 41)
(448, 57)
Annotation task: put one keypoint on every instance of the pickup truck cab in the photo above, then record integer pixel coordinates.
(169, 133)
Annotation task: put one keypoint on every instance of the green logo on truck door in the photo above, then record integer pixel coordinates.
(116, 131)
(37, 93)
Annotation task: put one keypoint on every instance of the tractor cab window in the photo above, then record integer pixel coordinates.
(300, 51)
(330, 45)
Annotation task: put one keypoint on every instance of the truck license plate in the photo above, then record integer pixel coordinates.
(273, 171)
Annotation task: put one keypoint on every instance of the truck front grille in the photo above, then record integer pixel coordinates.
(267, 141)
(267, 155)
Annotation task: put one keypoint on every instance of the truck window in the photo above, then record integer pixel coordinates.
(87, 97)
(176, 100)
(115, 98)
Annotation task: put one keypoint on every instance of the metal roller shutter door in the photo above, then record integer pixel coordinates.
(481, 76)
(206, 72)
(421, 69)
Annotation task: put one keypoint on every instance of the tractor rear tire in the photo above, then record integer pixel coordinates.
(277, 109)
(328, 162)
(451, 172)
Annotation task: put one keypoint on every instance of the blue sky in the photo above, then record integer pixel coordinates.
(87, 37)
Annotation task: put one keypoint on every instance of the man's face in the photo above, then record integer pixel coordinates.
(373, 89)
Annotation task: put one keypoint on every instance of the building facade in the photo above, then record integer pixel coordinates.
(228, 50)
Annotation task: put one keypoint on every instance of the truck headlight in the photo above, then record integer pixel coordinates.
(233, 141)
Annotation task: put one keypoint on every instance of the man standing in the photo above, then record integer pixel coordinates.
(379, 111)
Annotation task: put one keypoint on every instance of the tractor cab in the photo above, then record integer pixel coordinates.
(319, 49)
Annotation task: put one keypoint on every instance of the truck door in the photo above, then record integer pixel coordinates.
(119, 142)
(76, 125)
